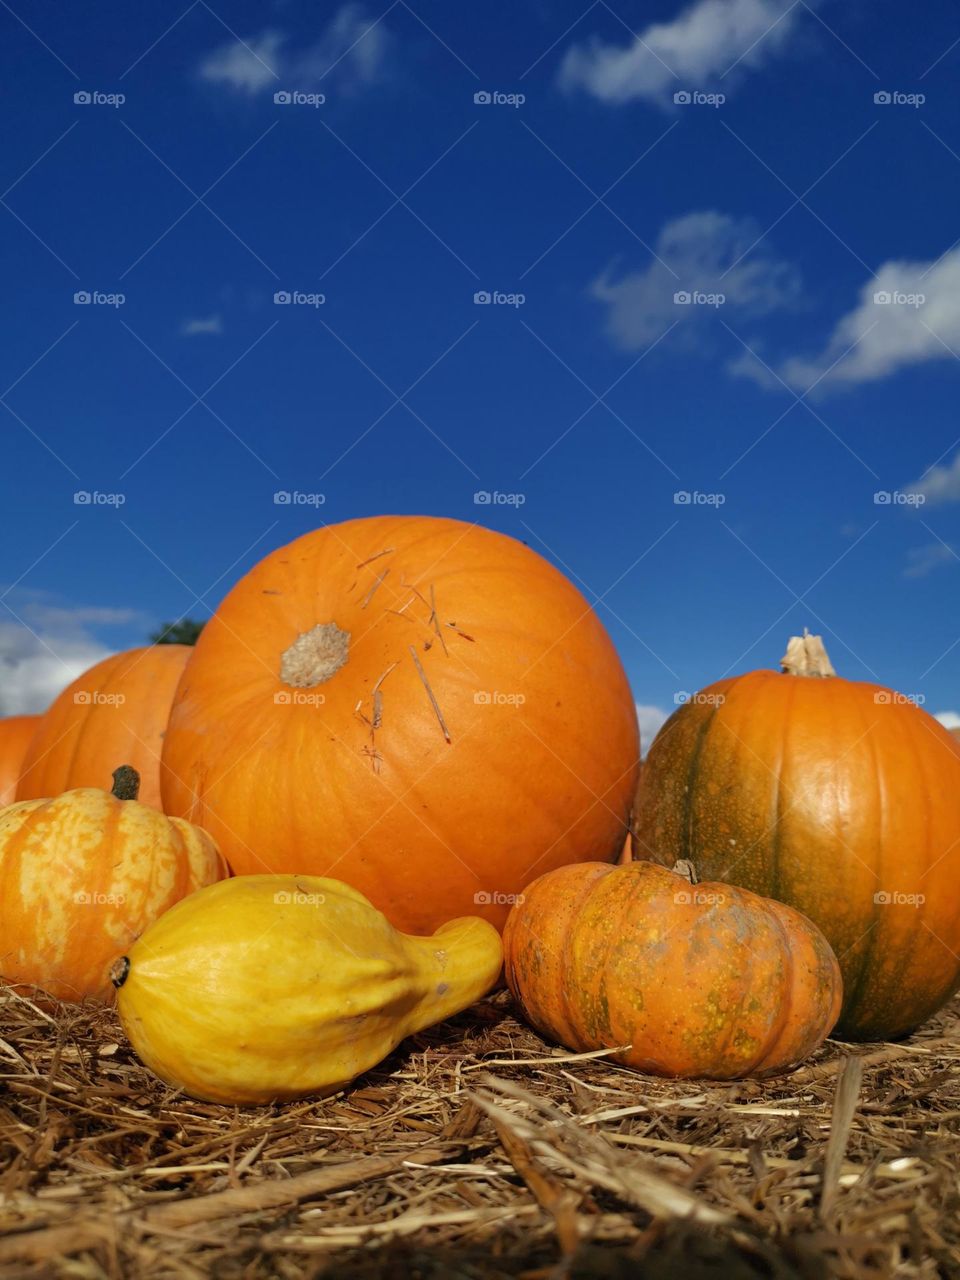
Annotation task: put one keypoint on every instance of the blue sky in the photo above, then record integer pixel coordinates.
(621, 159)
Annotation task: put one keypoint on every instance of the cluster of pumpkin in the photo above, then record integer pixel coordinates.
(432, 714)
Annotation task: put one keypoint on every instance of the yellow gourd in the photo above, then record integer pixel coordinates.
(263, 988)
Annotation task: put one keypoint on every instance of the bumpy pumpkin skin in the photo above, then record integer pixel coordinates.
(15, 735)
(823, 793)
(81, 876)
(265, 988)
(115, 711)
(352, 776)
(702, 981)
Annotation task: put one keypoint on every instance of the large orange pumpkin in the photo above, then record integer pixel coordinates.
(838, 797)
(115, 711)
(15, 735)
(82, 875)
(698, 980)
(421, 707)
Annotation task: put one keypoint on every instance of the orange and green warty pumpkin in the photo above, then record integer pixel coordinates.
(421, 707)
(699, 980)
(15, 735)
(838, 797)
(82, 875)
(115, 711)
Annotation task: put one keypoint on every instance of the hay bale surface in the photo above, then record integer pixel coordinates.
(478, 1150)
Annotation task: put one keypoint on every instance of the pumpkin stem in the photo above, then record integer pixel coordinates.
(806, 656)
(119, 971)
(684, 867)
(126, 783)
(315, 656)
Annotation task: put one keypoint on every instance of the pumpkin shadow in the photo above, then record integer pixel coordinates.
(677, 1252)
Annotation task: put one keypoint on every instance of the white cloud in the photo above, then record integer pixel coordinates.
(202, 324)
(353, 48)
(697, 253)
(246, 67)
(923, 560)
(949, 719)
(875, 339)
(691, 52)
(52, 645)
(650, 718)
(940, 484)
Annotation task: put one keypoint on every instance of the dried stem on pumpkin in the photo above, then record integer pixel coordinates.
(370, 559)
(369, 596)
(430, 694)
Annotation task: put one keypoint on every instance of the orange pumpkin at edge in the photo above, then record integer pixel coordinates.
(421, 707)
(15, 735)
(82, 875)
(699, 980)
(839, 797)
(117, 710)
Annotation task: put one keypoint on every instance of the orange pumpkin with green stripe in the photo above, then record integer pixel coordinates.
(839, 797)
(698, 980)
(82, 876)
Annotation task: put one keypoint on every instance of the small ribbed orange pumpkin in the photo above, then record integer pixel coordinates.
(699, 980)
(839, 797)
(82, 875)
(421, 707)
(15, 735)
(115, 711)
